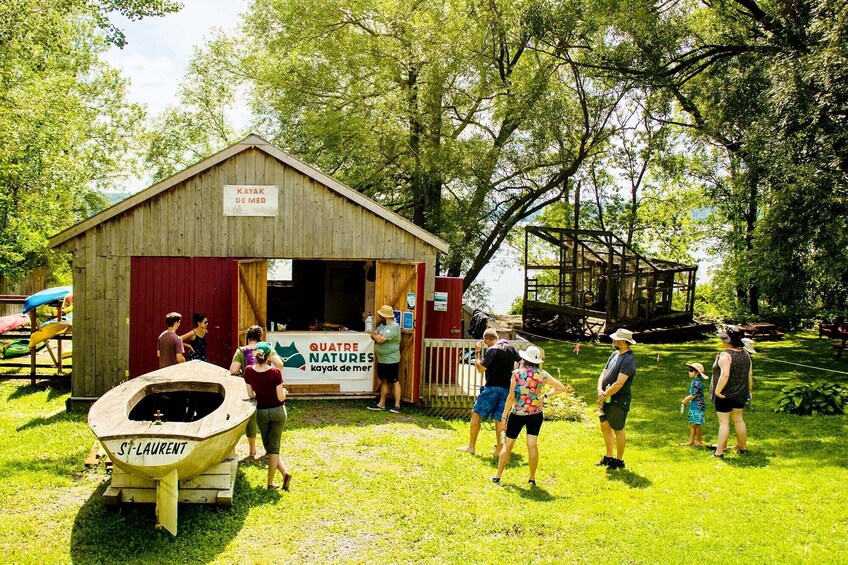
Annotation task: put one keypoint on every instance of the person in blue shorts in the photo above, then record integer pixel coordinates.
(498, 362)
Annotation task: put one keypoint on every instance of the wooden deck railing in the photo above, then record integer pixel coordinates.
(450, 381)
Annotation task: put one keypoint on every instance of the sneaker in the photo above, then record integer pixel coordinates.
(605, 462)
(531, 482)
(496, 480)
(616, 463)
(395, 410)
(376, 408)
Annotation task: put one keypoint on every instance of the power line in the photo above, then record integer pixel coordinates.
(757, 356)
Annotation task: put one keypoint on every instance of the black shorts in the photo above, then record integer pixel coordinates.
(615, 415)
(518, 421)
(388, 372)
(725, 405)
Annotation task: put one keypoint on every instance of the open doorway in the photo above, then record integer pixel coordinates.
(332, 293)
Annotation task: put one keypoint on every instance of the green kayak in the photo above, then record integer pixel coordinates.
(17, 348)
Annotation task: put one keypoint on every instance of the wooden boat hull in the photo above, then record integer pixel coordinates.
(178, 441)
(153, 457)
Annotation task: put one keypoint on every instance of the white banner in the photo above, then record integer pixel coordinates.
(250, 200)
(343, 358)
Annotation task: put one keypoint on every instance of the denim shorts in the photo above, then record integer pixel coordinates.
(490, 402)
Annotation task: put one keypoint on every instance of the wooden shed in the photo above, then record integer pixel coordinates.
(206, 239)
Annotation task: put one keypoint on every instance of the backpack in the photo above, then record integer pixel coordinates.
(249, 357)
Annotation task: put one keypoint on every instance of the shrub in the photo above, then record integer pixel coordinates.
(566, 406)
(817, 397)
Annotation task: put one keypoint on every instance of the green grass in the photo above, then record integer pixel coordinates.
(374, 487)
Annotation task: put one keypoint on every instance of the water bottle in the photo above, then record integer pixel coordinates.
(682, 407)
(608, 398)
(369, 323)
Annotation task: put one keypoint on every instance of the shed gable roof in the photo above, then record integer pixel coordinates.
(250, 142)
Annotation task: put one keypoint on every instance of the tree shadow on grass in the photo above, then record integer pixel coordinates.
(60, 416)
(55, 388)
(303, 414)
(629, 478)
(127, 533)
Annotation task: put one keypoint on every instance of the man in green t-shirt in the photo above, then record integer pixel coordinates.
(387, 347)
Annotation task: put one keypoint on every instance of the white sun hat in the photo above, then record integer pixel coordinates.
(532, 355)
(623, 335)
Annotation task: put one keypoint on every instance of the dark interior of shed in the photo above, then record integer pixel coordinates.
(326, 291)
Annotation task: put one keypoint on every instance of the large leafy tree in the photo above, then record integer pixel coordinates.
(763, 84)
(65, 125)
(467, 117)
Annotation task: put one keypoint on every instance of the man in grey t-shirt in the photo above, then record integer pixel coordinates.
(614, 397)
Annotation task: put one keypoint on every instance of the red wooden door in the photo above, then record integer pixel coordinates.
(159, 285)
(446, 323)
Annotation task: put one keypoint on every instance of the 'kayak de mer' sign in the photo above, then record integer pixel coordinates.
(250, 200)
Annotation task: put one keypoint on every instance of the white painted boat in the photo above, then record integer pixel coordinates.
(172, 424)
(187, 417)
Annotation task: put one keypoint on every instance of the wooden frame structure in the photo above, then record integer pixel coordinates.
(590, 280)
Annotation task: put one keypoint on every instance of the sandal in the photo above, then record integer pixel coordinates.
(685, 444)
(718, 455)
(286, 481)
(741, 451)
(531, 482)
(273, 487)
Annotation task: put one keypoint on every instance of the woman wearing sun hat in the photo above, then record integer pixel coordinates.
(265, 384)
(387, 347)
(733, 381)
(524, 408)
(696, 403)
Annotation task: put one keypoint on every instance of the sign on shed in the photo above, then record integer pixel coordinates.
(250, 200)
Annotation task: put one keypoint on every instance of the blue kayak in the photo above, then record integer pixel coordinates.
(46, 296)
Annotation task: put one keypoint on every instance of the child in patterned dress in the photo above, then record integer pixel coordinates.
(695, 400)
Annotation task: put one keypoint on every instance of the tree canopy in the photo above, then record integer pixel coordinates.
(66, 128)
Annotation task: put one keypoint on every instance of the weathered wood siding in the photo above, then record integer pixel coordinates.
(314, 222)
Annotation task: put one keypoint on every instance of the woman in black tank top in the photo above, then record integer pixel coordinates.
(730, 389)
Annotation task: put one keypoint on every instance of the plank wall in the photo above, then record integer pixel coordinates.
(313, 222)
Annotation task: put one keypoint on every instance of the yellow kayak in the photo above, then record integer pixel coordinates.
(48, 331)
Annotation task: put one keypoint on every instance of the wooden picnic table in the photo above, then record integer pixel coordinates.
(762, 331)
(838, 342)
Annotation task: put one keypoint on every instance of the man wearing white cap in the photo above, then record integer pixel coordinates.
(614, 397)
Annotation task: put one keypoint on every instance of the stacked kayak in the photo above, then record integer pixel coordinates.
(13, 322)
(46, 296)
(18, 348)
(49, 330)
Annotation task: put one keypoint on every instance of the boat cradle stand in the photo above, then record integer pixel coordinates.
(214, 486)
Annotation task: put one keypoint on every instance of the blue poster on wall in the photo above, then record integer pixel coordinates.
(407, 321)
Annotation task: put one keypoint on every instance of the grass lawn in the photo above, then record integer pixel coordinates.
(376, 487)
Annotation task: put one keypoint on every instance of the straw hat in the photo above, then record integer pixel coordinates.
(698, 367)
(623, 335)
(386, 311)
(532, 355)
